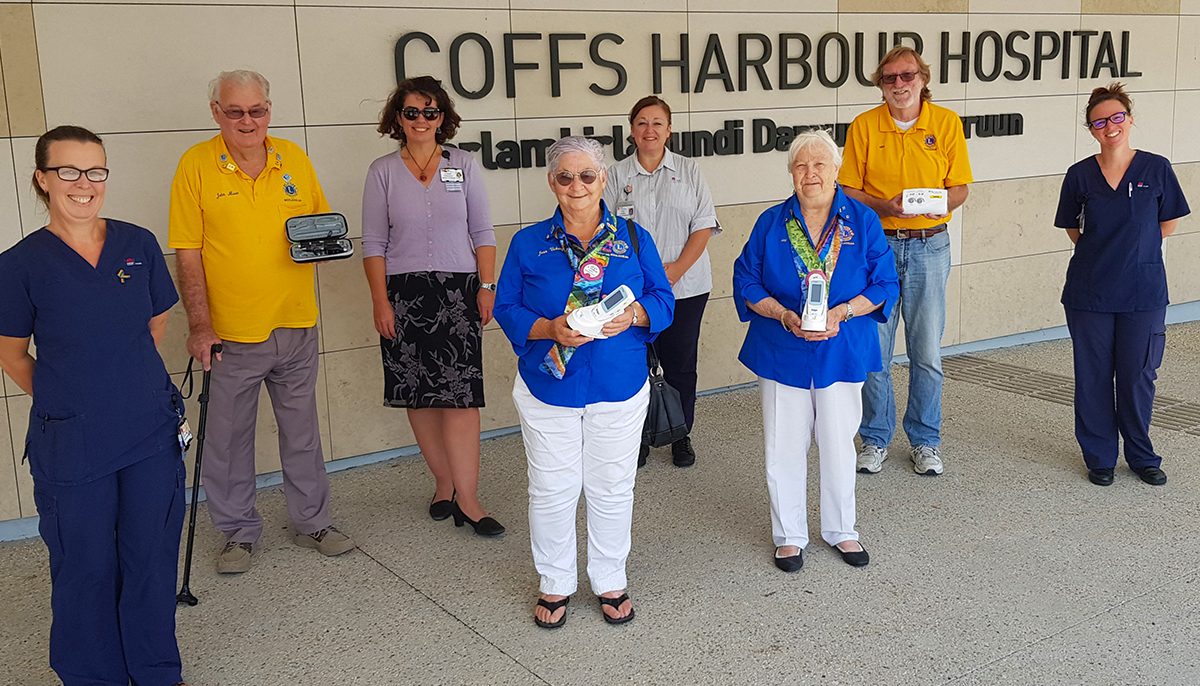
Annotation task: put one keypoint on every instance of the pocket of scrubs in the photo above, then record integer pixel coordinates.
(58, 448)
(1157, 348)
(47, 510)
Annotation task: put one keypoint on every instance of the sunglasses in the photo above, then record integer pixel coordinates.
(430, 113)
(566, 178)
(95, 174)
(906, 77)
(236, 113)
(1115, 117)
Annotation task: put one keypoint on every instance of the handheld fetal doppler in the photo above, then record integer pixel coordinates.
(591, 319)
(816, 303)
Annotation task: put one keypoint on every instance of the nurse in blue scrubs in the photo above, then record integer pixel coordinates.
(1117, 206)
(102, 444)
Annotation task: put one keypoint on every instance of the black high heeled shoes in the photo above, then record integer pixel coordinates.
(441, 509)
(484, 527)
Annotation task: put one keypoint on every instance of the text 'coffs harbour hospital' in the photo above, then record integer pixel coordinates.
(741, 79)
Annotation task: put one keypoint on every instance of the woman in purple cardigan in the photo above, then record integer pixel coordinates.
(429, 252)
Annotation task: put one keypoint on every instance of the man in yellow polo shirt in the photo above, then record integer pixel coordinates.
(229, 201)
(908, 142)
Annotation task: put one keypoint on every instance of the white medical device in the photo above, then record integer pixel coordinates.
(591, 319)
(816, 303)
(925, 201)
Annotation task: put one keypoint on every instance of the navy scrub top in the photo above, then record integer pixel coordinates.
(1118, 261)
(102, 398)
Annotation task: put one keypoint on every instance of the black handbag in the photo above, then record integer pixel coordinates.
(665, 422)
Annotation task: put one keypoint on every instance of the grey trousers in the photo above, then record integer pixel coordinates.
(287, 362)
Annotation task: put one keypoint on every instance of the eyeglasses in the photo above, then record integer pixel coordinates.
(906, 77)
(430, 113)
(1115, 117)
(236, 113)
(587, 176)
(95, 174)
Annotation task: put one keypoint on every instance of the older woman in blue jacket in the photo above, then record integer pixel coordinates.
(811, 380)
(582, 399)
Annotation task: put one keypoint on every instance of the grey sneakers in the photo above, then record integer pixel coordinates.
(234, 558)
(870, 458)
(328, 541)
(927, 460)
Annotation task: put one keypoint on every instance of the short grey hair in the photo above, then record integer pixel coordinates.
(811, 138)
(238, 77)
(572, 144)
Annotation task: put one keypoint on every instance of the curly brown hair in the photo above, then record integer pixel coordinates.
(431, 89)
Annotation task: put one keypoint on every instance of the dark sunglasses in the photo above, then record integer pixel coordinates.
(430, 113)
(236, 113)
(95, 174)
(566, 178)
(1115, 117)
(906, 77)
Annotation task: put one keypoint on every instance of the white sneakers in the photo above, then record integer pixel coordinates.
(870, 458)
(926, 459)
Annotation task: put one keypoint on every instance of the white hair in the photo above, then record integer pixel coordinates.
(573, 144)
(238, 77)
(811, 138)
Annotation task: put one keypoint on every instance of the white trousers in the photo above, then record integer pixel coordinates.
(790, 417)
(592, 449)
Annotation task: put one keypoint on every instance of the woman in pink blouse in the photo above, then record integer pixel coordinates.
(429, 252)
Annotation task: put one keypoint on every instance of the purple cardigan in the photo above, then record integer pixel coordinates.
(419, 229)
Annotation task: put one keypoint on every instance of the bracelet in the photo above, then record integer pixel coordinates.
(635, 318)
(781, 316)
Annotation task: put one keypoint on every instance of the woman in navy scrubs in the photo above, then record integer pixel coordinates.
(1117, 206)
(103, 444)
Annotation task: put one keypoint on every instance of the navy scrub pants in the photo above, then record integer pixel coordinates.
(1127, 347)
(677, 349)
(114, 554)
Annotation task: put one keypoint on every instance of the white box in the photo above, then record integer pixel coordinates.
(926, 201)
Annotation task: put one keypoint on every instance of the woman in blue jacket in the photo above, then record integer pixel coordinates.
(817, 242)
(582, 400)
(102, 444)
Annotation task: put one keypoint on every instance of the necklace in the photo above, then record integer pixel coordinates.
(422, 167)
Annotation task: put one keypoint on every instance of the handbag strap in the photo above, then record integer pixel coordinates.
(651, 355)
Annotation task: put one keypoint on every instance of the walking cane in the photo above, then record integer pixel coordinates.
(185, 593)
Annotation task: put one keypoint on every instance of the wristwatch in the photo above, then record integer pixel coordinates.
(849, 311)
(488, 286)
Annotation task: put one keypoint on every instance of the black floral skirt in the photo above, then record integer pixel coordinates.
(436, 359)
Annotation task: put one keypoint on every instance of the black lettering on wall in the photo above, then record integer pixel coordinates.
(402, 44)
(713, 52)
(616, 67)
(786, 60)
(843, 60)
(1041, 53)
(962, 57)
(659, 62)
(456, 69)
(997, 56)
(556, 63)
(511, 65)
(1010, 48)
(1125, 70)
(746, 63)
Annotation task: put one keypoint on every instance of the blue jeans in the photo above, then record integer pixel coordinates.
(924, 268)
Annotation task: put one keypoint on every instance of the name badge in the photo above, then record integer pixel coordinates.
(453, 175)
(625, 210)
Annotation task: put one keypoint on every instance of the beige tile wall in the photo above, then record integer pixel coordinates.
(327, 92)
